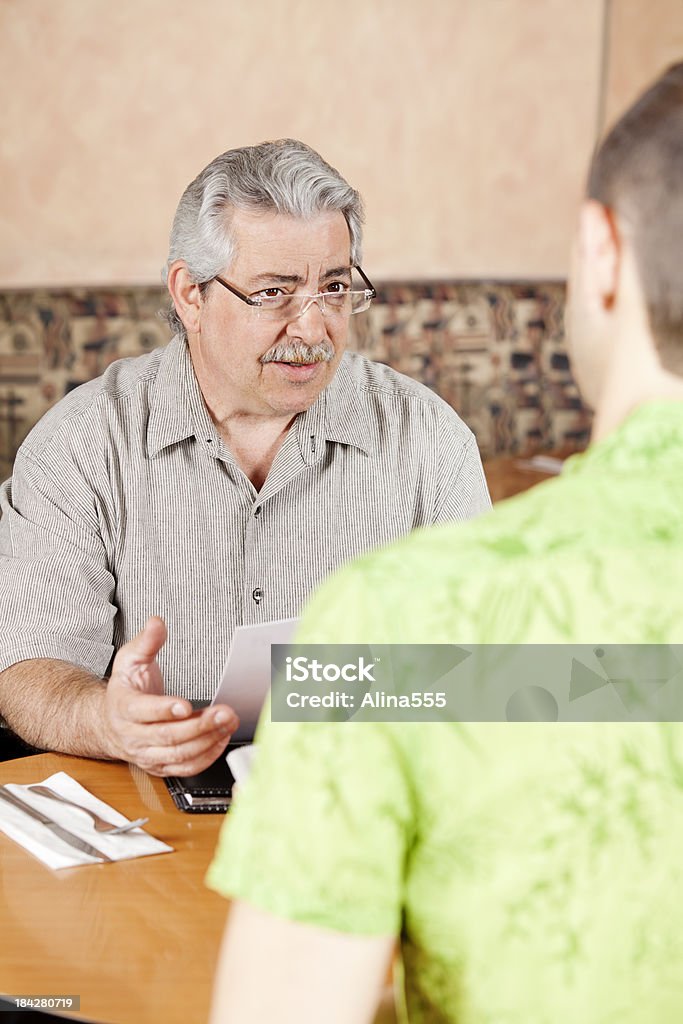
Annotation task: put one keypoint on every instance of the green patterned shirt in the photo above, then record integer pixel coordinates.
(533, 871)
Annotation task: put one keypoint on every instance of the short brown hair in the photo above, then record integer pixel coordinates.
(638, 171)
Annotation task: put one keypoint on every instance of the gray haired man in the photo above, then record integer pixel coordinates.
(216, 481)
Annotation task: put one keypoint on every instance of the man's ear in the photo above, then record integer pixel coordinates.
(186, 296)
(600, 250)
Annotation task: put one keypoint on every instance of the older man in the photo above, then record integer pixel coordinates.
(217, 481)
(531, 872)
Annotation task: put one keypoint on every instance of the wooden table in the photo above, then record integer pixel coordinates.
(136, 940)
(507, 475)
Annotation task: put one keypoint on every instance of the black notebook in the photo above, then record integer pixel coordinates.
(209, 792)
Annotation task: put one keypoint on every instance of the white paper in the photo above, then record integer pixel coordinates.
(543, 464)
(245, 681)
(205, 801)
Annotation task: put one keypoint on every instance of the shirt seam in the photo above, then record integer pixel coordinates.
(37, 463)
(76, 417)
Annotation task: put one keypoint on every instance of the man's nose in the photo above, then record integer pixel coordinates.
(310, 324)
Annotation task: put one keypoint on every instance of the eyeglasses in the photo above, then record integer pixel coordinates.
(292, 305)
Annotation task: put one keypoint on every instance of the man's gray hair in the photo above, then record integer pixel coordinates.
(285, 176)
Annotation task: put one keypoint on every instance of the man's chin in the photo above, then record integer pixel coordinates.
(290, 395)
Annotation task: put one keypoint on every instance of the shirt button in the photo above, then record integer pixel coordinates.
(257, 594)
(257, 510)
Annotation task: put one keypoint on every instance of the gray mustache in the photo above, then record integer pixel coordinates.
(299, 352)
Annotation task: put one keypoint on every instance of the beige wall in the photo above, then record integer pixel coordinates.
(465, 123)
(645, 36)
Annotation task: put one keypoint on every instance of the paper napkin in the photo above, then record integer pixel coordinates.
(241, 761)
(39, 840)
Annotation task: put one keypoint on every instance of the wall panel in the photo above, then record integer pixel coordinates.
(643, 40)
(465, 123)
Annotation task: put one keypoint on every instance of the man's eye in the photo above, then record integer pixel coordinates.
(270, 293)
(337, 287)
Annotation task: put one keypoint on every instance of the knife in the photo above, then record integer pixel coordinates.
(67, 837)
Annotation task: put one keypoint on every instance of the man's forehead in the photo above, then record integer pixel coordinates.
(277, 276)
(278, 243)
(255, 222)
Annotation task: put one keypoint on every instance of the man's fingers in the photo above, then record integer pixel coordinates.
(185, 758)
(201, 727)
(189, 760)
(147, 708)
(177, 715)
(189, 746)
(144, 647)
(172, 720)
(135, 664)
(151, 638)
(151, 729)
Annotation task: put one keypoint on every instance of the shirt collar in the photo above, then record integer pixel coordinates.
(177, 407)
(337, 415)
(178, 410)
(650, 437)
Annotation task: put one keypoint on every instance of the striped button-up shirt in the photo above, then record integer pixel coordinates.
(125, 502)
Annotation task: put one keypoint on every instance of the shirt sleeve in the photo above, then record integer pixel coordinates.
(462, 492)
(55, 587)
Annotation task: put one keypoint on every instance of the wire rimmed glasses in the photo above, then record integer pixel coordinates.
(340, 300)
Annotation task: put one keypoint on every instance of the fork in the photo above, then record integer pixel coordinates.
(105, 827)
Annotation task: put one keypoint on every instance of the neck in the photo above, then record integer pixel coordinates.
(615, 406)
(633, 374)
(254, 442)
(254, 438)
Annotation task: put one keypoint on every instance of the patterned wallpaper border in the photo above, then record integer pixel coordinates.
(494, 350)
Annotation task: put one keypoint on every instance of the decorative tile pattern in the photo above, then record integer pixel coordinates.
(495, 351)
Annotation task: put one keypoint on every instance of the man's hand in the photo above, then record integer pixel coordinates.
(161, 734)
